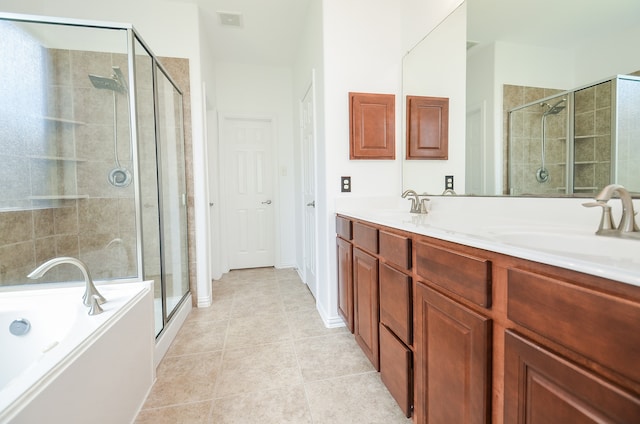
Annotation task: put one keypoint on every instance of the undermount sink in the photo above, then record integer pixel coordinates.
(583, 245)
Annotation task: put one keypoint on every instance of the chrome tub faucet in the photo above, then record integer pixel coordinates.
(91, 298)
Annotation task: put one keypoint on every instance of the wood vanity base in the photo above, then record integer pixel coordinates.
(465, 335)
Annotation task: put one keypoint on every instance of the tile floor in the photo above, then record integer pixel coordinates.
(261, 354)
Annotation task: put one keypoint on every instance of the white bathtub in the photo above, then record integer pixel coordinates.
(71, 367)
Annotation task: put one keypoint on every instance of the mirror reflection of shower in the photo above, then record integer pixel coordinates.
(119, 176)
(542, 174)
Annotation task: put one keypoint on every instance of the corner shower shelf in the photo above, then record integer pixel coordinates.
(58, 158)
(60, 197)
(63, 121)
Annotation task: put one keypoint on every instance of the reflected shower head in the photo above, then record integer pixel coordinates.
(115, 82)
(555, 109)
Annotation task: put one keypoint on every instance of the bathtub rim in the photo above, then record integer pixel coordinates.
(24, 398)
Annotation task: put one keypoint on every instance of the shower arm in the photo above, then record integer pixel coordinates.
(115, 129)
(544, 120)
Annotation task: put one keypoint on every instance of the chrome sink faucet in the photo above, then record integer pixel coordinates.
(627, 226)
(91, 298)
(418, 205)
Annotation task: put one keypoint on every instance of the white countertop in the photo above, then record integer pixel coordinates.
(557, 232)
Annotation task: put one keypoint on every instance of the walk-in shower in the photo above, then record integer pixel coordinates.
(118, 176)
(576, 142)
(75, 99)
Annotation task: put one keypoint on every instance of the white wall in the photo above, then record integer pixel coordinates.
(266, 91)
(170, 29)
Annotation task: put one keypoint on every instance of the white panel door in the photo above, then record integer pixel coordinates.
(248, 182)
(309, 189)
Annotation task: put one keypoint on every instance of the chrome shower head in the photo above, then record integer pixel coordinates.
(555, 109)
(115, 82)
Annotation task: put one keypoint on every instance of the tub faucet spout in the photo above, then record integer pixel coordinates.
(90, 293)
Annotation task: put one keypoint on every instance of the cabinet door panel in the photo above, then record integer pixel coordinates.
(452, 368)
(395, 369)
(396, 309)
(541, 387)
(345, 282)
(366, 304)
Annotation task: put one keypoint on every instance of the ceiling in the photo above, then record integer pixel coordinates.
(270, 29)
(548, 23)
(268, 35)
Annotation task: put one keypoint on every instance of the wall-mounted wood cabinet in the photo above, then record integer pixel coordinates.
(372, 130)
(427, 127)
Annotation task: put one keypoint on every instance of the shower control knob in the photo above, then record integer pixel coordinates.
(266, 202)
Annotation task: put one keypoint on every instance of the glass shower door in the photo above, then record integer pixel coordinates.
(173, 192)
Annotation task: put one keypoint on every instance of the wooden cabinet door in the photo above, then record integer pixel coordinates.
(452, 366)
(396, 369)
(542, 387)
(345, 282)
(372, 126)
(427, 127)
(365, 310)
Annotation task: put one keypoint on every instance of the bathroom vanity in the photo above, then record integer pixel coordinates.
(465, 328)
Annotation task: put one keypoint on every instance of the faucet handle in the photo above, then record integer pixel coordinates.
(423, 205)
(606, 221)
(95, 308)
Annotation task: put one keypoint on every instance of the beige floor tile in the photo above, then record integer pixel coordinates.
(266, 304)
(286, 405)
(258, 368)
(330, 356)
(199, 336)
(257, 328)
(264, 356)
(182, 379)
(189, 413)
(358, 398)
(219, 310)
(307, 323)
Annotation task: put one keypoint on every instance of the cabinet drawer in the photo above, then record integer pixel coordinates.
(596, 325)
(366, 237)
(343, 227)
(395, 249)
(395, 369)
(460, 273)
(396, 302)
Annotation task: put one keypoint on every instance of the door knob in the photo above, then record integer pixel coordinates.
(268, 202)
(312, 204)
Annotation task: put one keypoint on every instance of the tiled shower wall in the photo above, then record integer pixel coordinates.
(592, 138)
(526, 155)
(74, 211)
(83, 215)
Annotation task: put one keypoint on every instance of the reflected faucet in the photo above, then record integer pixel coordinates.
(627, 226)
(91, 297)
(417, 205)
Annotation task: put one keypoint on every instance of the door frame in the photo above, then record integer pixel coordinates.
(223, 178)
(311, 87)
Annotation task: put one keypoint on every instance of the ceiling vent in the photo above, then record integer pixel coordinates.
(231, 19)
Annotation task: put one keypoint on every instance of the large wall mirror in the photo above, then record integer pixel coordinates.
(544, 112)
